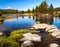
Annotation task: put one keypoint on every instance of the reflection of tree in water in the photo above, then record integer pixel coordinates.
(51, 20)
(45, 19)
(59, 17)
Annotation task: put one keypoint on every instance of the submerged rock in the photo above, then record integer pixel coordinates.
(53, 45)
(27, 44)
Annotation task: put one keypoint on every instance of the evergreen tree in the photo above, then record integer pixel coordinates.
(33, 10)
(28, 11)
(37, 9)
(43, 7)
(51, 9)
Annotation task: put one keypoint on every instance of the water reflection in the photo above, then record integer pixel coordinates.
(49, 20)
(45, 19)
(57, 22)
(21, 22)
(27, 21)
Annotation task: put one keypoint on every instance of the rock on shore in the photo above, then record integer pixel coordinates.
(27, 43)
(53, 45)
(31, 37)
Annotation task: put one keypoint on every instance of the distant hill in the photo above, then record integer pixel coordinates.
(8, 11)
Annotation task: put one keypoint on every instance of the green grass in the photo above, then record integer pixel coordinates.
(11, 41)
(1, 19)
(5, 42)
(17, 34)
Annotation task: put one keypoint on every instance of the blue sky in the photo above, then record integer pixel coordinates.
(25, 4)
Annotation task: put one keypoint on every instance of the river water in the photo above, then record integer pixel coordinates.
(26, 22)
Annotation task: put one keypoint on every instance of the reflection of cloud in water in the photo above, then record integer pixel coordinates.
(19, 22)
(9, 20)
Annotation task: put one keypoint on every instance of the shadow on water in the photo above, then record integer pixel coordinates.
(49, 19)
(45, 19)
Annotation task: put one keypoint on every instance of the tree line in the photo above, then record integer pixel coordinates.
(9, 11)
(43, 8)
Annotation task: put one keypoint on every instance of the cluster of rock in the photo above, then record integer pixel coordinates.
(53, 30)
(49, 28)
(29, 38)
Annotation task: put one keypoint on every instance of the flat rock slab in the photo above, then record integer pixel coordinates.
(50, 27)
(53, 45)
(27, 44)
(31, 37)
(40, 26)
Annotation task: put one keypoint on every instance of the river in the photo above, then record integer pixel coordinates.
(26, 22)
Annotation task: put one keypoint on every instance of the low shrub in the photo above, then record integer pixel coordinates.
(5, 42)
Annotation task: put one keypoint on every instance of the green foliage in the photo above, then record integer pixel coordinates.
(43, 7)
(1, 20)
(22, 12)
(57, 9)
(9, 11)
(37, 9)
(5, 42)
(51, 9)
(11, 41)
(28, 11)
(22, 31)
(17, 34)
(33, 10)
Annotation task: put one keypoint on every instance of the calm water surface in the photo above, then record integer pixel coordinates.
(20, 22)
(25, 22)
(56, 22)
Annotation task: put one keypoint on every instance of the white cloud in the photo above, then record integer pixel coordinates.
(12, 8)
(9, 8)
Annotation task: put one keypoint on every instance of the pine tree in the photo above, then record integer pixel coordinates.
(51, 9)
